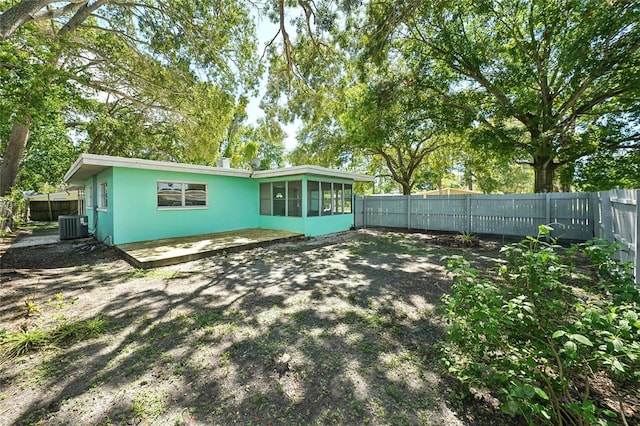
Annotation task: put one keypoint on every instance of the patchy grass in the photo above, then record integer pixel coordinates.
(336, 330)
(21, 342)
(395, 244)
(41, 227)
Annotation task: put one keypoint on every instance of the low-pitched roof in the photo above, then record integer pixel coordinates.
(88, 165)
(54, 196)
(313, 170)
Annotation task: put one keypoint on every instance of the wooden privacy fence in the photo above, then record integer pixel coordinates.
(509, 215)
(50, 210)
(612, 215)
(618, 221)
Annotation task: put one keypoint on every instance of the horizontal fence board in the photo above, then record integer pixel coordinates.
(501, 225)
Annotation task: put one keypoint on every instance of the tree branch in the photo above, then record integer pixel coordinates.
(99, 86)
(81, 15)
(58, 12)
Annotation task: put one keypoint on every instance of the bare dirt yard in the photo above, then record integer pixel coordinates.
(333, 330)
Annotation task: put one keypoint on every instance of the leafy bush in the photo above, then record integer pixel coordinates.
(545, 329)
(13, 208)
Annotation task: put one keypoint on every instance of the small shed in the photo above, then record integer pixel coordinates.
(131, 199)
(47, 207)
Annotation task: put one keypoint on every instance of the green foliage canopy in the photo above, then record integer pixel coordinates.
(565, 72)
(37, 94)
(157, 79)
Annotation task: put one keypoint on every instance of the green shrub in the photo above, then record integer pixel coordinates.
(14, 216)
(538, 334)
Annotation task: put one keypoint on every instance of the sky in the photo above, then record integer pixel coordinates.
(266, 30)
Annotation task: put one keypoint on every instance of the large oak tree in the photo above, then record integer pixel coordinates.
(567, 71)
(154, 62)
(392, 119)
(373, 118)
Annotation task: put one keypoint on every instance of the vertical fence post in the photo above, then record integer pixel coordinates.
(364, 211)
(606, 224)
(593, 213)
(424, 203)
(409, 211)
(468, 212)
(547, 212)
(636, 242)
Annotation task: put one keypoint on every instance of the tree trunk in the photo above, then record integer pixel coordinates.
(544, 170)
(19, 14)
(38, 10)
(13, 157)
(406, 189)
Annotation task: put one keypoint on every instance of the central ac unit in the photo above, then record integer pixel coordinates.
(71, 227)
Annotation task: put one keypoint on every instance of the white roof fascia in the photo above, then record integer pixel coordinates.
(105, 161)
(313, 170)
(137, 163)
(73, 169)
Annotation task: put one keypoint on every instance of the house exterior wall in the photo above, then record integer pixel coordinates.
(231, 204)
(101, 220)
(132, 213)
(310, 226)
(315, 226)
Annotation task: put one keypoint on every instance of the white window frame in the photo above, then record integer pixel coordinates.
(337, 203)
(350, 198)
(271, 200)
(183, 205)
(103, 196)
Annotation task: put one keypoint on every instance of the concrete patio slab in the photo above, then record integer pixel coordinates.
(36, 240)
(171, 251)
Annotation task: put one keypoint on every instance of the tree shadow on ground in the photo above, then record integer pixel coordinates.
(332, 334)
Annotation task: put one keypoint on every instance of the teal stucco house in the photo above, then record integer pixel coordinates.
(130, 200)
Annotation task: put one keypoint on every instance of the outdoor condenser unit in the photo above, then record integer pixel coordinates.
(71, 227)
